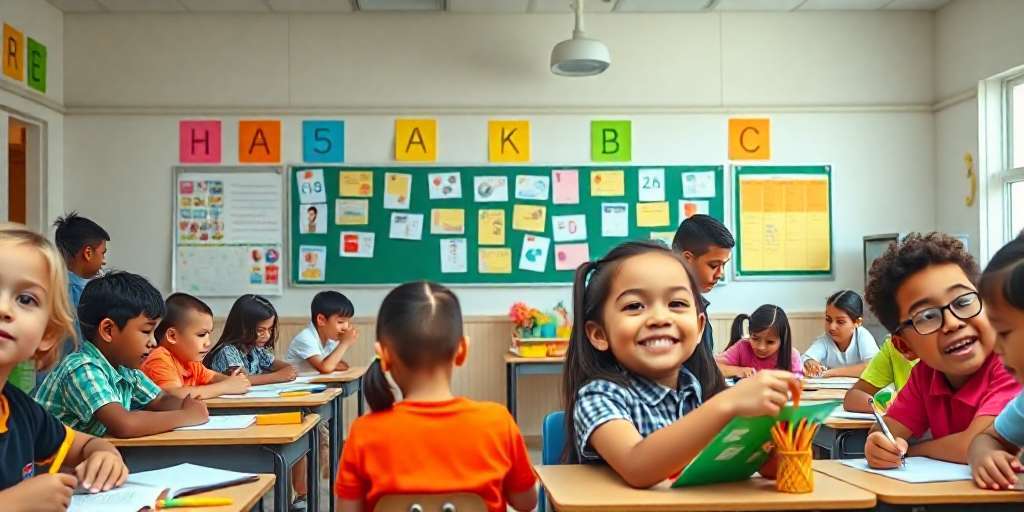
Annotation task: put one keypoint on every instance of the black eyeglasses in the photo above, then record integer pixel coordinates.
(930, 320)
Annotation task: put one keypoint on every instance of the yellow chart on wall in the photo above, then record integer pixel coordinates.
(783, 221)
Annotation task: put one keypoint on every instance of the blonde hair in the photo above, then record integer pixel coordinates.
(61, 321)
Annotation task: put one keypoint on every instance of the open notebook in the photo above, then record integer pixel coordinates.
(275, 390)
(144, 489)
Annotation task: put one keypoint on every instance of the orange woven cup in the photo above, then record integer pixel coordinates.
(795, 474)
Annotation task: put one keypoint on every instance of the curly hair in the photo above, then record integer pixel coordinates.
(905, 258)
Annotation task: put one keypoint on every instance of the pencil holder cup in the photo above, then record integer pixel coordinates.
(795, 474)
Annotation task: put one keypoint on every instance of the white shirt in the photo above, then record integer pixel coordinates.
(824, 350)
(307, 344)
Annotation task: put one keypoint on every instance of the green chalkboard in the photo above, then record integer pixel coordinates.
(400, 260)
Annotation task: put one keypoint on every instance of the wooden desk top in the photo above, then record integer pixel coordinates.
(848, 424)
(310, 400)
(245, 496)
(597, 488)
(512, 358)
(353, 373)
(823, 394)
(898, 492)
(256, 434)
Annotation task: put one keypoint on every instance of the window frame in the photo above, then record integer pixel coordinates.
(1008, 174)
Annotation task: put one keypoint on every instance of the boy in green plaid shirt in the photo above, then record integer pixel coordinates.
(100, 389)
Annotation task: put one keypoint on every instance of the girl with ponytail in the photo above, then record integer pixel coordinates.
(429, 441)
(770, 344)
(641, 392)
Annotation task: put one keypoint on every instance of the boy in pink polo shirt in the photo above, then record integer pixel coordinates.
(923, 291)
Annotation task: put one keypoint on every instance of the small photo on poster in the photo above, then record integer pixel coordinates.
(312, 262)
(313, 219)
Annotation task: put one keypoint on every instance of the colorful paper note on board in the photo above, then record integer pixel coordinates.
(311, 186)
(508, 141)
(569, 228)
(490, 189)
(527, 217)
(532, 187)
(698, 184)
(690, 207)
(36, 66)
(312, 262)
(406, 226)
(14, 53)
(259, 142)
(607, 183)
(571, 256)
(566, 185)
(356, 183)
(650, 215)
(199, 142)
(453, 255)
(356, 244)
(313, 219)
(664, 237)
(534, 255)
(397, 189)
(416, 140)
(447, 221)
(651, 186)
(495, 260)
(749, 139)
(444, 185)
(491, 226)
(611, 141)
(323, 141)
(614, 219)
(351, 212)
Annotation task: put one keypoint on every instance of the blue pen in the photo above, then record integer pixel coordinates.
(885, 429)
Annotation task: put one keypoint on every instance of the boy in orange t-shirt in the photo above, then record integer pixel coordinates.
(449, 444)
(184, 337)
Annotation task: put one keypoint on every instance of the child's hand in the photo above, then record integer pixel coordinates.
(102, 471)
(43, 493)
(349, 337)
(813, 368)
(745, 372)
(882, 454)
(195, 411)
(289, 373)
(763, 394)
(237, 384)
(996, 470)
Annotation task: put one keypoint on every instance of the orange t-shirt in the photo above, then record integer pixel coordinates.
(435, 447)
(168, 372)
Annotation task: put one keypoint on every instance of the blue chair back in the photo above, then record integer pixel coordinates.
(552, 442)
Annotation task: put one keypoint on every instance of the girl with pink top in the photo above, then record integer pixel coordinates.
(770, 345)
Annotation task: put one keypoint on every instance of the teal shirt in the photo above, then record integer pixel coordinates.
(86, 381)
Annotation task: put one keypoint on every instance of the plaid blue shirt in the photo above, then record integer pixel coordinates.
(647, 405)
(257, 361)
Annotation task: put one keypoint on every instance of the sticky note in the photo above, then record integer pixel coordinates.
(527, 217)
(571, 256)
(453, 255)
(351, 212)
(406, 226)
(607, 183)
(444, 185)
(311, 186)
(447, 221)
(508, 141)
(688, 208)
(569, 228)
(491, 227)
(355, 183)
(534, 255)
(493, 260)
(14, 53)
(259, 142)
(416, 140)
(611, 141)
(397, 189)
(565, 185)
(36, 66)
(749, 139)
(651, 185)
(649, 215)
(199, 142)
(614, 219)
(323, 141)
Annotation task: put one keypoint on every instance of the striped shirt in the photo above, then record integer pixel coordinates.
(86, 381)
(647, 405)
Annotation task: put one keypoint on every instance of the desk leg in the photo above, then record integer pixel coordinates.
(511, 381)
(334, 446)
(283, 485)
(313, 472)
(360, 399)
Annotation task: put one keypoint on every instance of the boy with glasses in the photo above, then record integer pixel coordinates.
(923, 291)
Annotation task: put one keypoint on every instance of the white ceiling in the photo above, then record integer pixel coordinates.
(485, 6)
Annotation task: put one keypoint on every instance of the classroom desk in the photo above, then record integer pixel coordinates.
(843, 438)
(823, 394)
(326, 403)
(516, 366)
(592, 488)
(257, 449)
(349, 381)
(246, 496)
(894, 495)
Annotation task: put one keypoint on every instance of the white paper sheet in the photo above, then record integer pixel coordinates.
(229, 422)
(918, 470)
(184, 478)
(127, 498)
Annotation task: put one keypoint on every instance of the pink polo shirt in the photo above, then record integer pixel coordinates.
(742, 354)
(927, 402)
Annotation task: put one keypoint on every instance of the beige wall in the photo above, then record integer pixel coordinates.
(483, 376)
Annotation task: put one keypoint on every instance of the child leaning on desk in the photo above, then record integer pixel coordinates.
(34, 321)
(247, 343)
(994, 453)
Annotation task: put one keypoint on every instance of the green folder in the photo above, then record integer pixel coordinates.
(743, 446)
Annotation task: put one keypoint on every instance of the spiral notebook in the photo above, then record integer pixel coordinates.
(143, 489)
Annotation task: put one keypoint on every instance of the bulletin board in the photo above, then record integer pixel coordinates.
(783, 220)
(493, 225)
(228, 231)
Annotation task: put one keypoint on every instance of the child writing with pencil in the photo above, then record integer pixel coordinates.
(639, 393)
(994, 454)
(247, 343)
(889, 368)
(448, 443)
(34, 321)
(176, 365)
(922, 290)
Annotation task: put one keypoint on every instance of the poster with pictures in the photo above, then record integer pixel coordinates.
(229, 229)
(444, 185)
(311, 186)
(356, 244)
(490, 189)
(312, 263)
(453, 255)
(313, 219)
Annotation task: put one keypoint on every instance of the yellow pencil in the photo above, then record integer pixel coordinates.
(62, 452)
(286, 394)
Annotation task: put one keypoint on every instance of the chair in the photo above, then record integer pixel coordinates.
(552, 443)
(453, 502)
